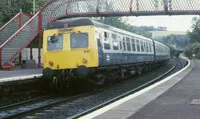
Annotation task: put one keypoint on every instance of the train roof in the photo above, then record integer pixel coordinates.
(72, 22)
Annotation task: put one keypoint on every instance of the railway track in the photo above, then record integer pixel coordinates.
(18, 110)
(76, 106)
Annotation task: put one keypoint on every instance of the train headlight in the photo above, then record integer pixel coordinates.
(84, 60)
(51, 63)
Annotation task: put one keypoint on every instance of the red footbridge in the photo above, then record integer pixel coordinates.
(16, 34)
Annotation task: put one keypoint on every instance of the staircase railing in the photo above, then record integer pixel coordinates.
(19, 40)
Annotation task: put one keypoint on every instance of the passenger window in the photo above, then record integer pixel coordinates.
(105, 36)
(138, 45)
(124, 44)
(106, 43)
(114, 36)
(128, 44)
(133, 44)
(120, 45)
(142, 46)
(107, 46)
(115, 42)
(115, 45)
(150, 47)
(147, 47)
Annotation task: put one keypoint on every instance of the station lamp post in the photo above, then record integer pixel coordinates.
(33, 6)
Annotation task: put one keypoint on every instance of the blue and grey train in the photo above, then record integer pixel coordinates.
(82, 47)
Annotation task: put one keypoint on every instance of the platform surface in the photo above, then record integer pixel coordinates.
(178, 97)
(182, 101)
(19, 74)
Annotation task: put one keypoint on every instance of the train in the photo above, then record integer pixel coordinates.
(84, 48)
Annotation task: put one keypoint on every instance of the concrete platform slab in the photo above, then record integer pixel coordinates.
(19, 74)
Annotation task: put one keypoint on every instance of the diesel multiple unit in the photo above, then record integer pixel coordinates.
(81, 46)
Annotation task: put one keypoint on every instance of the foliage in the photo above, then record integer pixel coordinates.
(10, 8)
(179, 42)
(193, 48)
(195, 34)
(173, 51)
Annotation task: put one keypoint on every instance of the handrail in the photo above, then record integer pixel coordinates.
(7, 41)
(10, 21)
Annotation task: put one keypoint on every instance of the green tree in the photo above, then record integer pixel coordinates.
(10, 8)
(195, 34)
(193, 48)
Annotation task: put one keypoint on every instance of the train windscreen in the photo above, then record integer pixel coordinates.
(55, 43)
(79, 40)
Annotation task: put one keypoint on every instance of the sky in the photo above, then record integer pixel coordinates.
(173, 23)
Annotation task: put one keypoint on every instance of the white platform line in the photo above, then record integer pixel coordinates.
(117, 103)
(2, 80)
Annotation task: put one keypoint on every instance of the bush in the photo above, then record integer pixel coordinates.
(193, 49)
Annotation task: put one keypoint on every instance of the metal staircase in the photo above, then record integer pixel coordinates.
(22, 29)
(16, 35)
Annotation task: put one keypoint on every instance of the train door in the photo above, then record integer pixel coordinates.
(154, 50)
(100, 52)
(99, 39)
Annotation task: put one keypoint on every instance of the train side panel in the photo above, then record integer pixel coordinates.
(114, 51)
(162, 51)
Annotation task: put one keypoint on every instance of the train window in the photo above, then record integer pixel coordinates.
(105, 36)
(120, 45)
(55, 43)
(115, 42)
(128, 44)
(150, 47)
(114, 36)
(107, 46)
(142, 46)
(138, 45)
(79, 40)
(133, 44)
(147, 46)
(124, 44)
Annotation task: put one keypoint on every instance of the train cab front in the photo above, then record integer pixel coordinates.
(73, 48)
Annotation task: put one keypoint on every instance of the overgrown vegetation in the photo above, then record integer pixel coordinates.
(178, 42)
(9, 8)
(193, 50)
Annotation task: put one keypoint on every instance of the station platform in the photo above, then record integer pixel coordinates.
(175, 97)
(19, 74)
